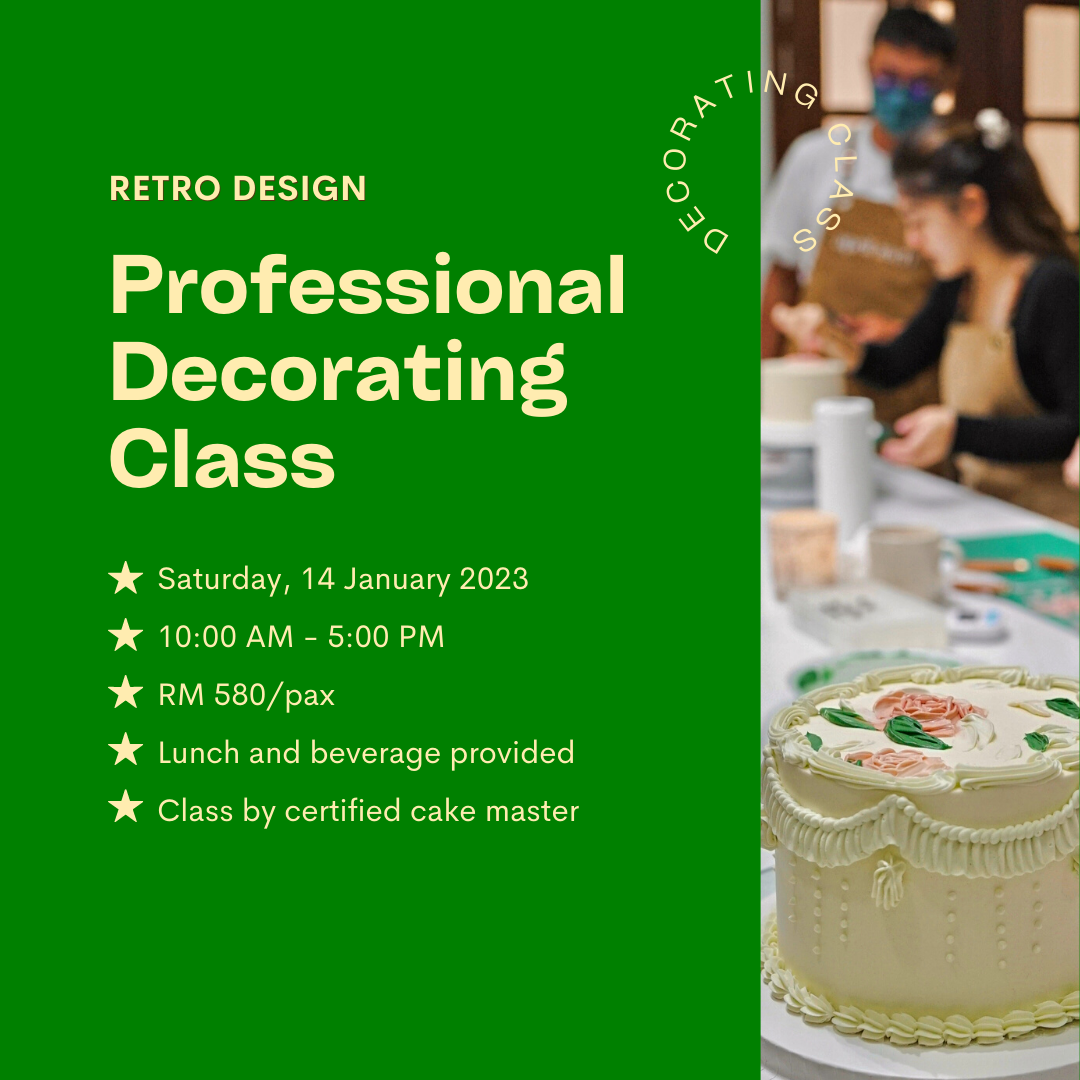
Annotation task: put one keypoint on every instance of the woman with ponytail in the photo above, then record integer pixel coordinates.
(1003, 318)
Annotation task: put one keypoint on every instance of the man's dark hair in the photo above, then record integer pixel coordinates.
(908, 28)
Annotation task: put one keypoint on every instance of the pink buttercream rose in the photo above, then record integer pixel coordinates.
(898, 762)
(939, 716)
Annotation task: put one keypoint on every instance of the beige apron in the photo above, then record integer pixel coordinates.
(980, 377)
(863, 265)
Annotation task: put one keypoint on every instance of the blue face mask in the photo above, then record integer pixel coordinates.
(902, 107)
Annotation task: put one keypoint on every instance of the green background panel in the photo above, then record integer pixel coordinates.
(513, 139)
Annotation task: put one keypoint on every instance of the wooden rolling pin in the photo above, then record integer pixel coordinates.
(999, 566)
(1057, 564)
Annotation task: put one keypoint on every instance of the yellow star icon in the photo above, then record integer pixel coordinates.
(125, 579)
(125, 807)
(125, 636)
(125, 751)
(125, 692)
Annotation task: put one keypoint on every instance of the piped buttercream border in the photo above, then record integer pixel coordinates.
(923, 841)
(901, 1028)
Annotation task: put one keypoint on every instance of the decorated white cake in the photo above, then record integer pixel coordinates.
(789, 387)
(924, 823)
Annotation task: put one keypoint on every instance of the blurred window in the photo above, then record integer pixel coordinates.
(847, 28)
(1052, 102)
(1054, 148)
(1051, 61)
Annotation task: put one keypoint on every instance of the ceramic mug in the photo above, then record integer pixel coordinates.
(908, 557)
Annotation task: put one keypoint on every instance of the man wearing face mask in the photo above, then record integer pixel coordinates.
(860, 271)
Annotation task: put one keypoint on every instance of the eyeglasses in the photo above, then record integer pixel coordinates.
(920, 89)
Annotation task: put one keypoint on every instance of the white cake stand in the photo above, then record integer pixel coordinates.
(791, 1049)
(787, 434)
(787, 463)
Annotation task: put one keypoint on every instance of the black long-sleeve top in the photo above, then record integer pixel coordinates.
(1046, 327)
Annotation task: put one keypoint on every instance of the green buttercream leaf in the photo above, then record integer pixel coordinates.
(1037, 740)
(858, 762)
(846, 717)
(909, 732)
(813, 740)
(1064, 706)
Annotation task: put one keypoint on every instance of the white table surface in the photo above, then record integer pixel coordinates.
(912, 497)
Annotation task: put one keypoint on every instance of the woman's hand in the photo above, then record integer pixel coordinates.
(926, 437)
(1071, 470)
(809, 328)
(801, 323)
